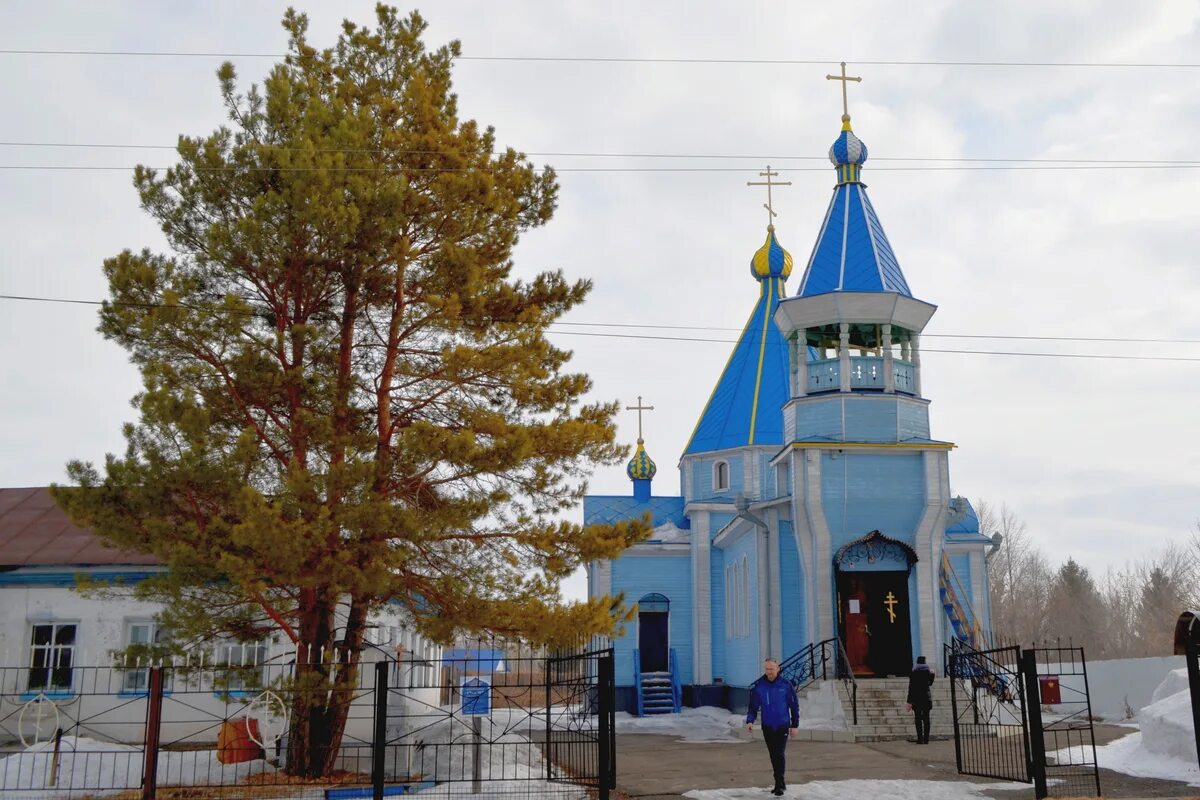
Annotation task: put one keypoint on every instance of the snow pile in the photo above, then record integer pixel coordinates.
(670, 533)
(874, 789)
(88, 766)
(704, 724)
(1167, 722)
(821, 708)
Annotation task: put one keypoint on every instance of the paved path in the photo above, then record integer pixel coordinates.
(664, 767)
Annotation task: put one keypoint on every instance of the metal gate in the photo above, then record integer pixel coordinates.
(1024, 715)
(526, 725)
(1060, 723)
(991, 737)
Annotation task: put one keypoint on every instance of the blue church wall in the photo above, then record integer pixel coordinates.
(718, 520)
(792, 592)
(913, 420)
(716, 572)
(702, 478)
(862, 492)
(861, 418)
(637, 576)
(742, 653)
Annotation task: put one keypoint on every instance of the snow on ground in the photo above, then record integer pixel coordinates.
(88, 766)
(712, 724)
(704, 724)
(876, 790)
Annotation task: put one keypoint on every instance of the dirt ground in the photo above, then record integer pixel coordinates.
(663, 767)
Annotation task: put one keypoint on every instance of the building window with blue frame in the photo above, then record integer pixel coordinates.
(745, 598)
(143, 636)
(721, 476)
(243, 666)
(52, 656)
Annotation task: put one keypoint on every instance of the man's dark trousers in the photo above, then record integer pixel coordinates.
(921, 716)
(776, 739)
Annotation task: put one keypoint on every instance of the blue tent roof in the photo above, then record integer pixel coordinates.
(745, 407)
(474, 660)
(852, 253)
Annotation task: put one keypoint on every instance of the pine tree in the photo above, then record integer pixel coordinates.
(348, 398)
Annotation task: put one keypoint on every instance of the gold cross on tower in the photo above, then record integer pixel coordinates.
(890, 602)
(767, 183)
(844, 78)
(639, 408)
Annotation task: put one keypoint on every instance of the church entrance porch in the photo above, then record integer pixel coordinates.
(873, 622)
(653, 633)
(872, 604)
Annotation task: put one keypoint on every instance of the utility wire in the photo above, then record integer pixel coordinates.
(647, 337)
(697, 156)
(995, 168)
(637, 60)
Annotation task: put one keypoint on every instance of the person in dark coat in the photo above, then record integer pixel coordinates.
(920, 697)
(775, 698)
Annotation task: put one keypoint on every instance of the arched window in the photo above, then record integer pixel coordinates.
(745, 599)
(721, 476)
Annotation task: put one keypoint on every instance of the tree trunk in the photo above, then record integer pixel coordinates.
(326, 681)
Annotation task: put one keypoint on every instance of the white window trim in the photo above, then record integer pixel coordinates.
(718, 484)
(51, 649)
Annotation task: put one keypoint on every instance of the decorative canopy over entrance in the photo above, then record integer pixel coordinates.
(874, 548)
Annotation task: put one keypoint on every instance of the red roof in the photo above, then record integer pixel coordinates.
(34, 531)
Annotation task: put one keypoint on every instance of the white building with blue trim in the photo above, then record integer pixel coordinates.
(815, 503)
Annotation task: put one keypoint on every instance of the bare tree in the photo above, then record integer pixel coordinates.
(1019, 577)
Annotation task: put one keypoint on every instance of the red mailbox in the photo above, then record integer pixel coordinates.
(1051, 692)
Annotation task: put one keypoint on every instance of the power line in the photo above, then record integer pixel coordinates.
(995, 168)
(649, 60)
(646, 337)
(697, 156)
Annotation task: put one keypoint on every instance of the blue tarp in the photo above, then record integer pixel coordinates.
(473, 660)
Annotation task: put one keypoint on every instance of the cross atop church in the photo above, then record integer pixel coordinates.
(767, 183)
(639, 408)
(844, 78)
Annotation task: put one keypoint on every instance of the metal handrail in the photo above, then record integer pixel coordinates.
(811, 663)
(637, 681)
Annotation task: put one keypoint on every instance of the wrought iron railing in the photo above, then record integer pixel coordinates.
(676, 687)
(823, 660)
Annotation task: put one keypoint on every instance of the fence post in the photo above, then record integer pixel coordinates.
(1033, 711)
(549, 744)
(153, 732)
(379, 740)
(606, 684)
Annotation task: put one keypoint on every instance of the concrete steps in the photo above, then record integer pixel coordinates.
(882, 712)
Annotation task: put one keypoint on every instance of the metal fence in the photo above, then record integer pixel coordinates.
(501, 718)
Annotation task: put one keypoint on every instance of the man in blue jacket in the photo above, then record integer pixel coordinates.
(775, 697)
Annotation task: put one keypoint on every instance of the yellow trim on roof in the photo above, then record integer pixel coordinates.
(863, 445)
(728, 361)
(762, 350)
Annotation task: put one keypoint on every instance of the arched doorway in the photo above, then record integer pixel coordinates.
(654, 611)
(872, 601)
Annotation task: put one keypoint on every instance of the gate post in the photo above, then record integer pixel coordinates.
(606, 684)
(379, 740)
(153, 733)
(1033, 711)
(951, 675)
(1192, 651)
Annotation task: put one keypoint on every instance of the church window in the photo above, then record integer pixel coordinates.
(721, 476)
(781, 479)
(745, 598)
(145, 634)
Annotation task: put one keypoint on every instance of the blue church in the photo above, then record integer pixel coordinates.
(814, 502)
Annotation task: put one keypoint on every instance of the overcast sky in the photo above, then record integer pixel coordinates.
(1099, 456)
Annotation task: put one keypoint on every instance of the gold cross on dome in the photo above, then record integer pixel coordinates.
(768, 183)
(844, 78)
(639, 408)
